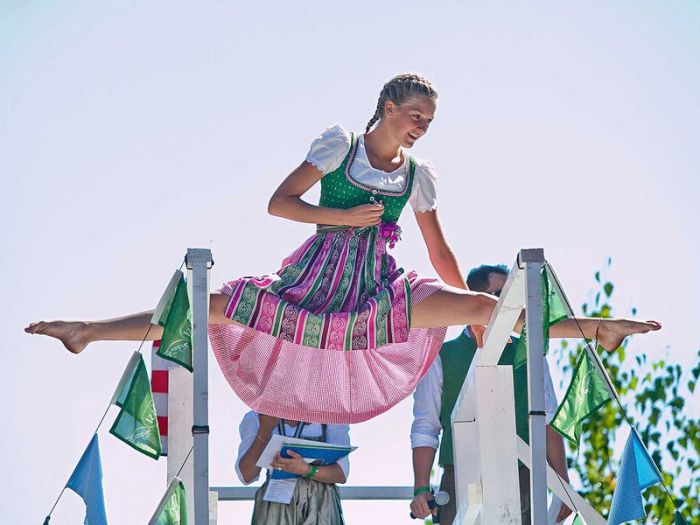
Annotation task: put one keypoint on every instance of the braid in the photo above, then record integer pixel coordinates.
(377, 114)
(400, 88)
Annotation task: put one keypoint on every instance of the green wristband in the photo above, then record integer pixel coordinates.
(312, 472)
(420, 489)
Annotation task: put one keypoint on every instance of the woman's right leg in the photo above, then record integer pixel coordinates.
(76, 335)
(452, 306)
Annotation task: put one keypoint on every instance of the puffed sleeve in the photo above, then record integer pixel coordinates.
(424, 191)
(329, 149)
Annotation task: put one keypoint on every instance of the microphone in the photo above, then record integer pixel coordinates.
(440, 499)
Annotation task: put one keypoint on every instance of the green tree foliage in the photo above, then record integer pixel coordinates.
(654, 395)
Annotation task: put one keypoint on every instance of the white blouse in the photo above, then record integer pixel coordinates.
(330, 148)
(335, 435)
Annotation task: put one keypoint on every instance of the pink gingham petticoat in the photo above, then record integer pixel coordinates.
(327, 338)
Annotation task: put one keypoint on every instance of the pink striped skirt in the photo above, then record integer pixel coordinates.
(327, 338)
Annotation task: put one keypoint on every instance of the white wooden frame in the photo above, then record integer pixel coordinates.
(188, 399)
(483, 420)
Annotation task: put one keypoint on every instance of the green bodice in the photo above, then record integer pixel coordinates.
(340, 190)
(455, 356)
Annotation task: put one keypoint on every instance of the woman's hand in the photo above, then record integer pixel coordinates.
(363, 215)
(287, 202)
(294, 465)
(478, 331)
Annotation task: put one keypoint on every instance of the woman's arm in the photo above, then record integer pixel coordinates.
(286, 202)
(247, 465)
(441, 256)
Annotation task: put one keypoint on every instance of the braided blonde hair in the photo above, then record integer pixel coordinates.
(400, 88)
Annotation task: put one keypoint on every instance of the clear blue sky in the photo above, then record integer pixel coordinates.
(130, 131)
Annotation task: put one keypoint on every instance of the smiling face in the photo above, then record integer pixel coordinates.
(410, 120)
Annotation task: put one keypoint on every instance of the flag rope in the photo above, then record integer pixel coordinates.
(145, 337)
(611, 387)
(104, 415)
(184, 461)
(566, 491)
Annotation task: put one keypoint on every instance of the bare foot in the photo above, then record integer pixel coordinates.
(73, 334)
(613, 331)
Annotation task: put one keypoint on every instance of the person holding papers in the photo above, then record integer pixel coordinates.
(310, 489)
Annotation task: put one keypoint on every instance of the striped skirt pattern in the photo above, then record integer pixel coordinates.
(327, 338)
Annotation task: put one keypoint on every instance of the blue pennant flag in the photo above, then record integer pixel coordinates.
(637, 472)
(86, 481)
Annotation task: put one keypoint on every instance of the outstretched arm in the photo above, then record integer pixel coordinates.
(287, 202)
(445, 262)
(441, 255)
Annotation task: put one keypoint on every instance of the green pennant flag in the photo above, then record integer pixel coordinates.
(553, 311)
(678, 519)
(586, 394)
(174, 314)
(172, 509)
(137, 423)
(555, 301)
(578, 520)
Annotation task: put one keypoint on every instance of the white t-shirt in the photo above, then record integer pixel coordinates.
(330, 148)
(335, 434)
(427, 402)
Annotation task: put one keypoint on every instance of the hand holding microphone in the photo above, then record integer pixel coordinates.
(431, 499)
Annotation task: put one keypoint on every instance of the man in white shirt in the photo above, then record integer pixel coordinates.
(436, 395)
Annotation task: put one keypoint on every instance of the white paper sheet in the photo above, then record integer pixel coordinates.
(280, 490)
(276, 443)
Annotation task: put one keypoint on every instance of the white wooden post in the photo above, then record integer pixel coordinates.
(188, 409)
(534, 261)
(495, 413)
(199, 262)
(483, 423)
(565, 492)
(180, 432)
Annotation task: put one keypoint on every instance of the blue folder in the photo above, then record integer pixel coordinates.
(321, 456)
